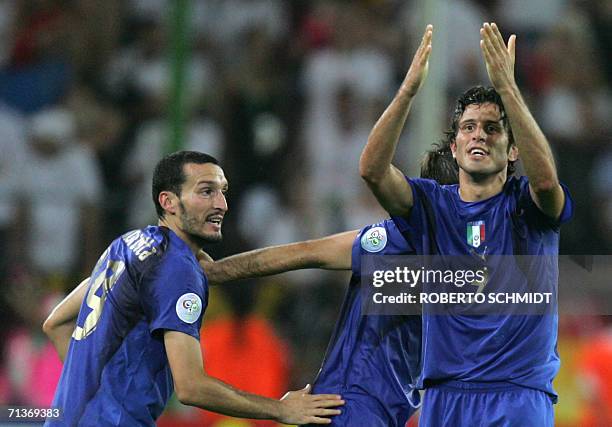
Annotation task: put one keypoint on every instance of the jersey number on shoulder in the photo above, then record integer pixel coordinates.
(105, 275)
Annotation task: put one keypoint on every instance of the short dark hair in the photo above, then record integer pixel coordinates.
(478, 95)
(170, 176)
(438, 164)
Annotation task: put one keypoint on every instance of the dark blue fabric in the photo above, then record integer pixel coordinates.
(516, 349)
(372, 361)
(494, 405)
(363, 410)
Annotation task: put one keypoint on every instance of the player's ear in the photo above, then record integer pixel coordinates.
(168, 201)
(453, 147)
(513, 153)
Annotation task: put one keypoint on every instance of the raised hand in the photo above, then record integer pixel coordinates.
(301, 407)
(420, 64)
(498, 57)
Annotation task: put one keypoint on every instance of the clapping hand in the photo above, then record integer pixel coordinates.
(498, 57)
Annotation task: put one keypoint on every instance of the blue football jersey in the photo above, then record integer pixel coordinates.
(372, 360)
(116, 372)
(516, 349)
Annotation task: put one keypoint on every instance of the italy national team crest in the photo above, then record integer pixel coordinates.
(374, 240)
(475, 233)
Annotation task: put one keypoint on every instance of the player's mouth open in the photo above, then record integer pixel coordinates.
(215, 219)
(477, 152)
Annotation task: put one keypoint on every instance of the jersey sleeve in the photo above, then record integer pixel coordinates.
(414, 226)
(172, 296)
(414, 221)
(356, 253)
(382, 238)
(568, 206)
(542, 220)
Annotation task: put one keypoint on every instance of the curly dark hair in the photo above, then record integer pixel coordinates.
(478, 95)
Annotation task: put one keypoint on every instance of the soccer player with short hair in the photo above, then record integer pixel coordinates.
(137, 333)
(488, 369)
(373, 361)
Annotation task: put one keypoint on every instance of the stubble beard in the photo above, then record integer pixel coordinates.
(193, 227)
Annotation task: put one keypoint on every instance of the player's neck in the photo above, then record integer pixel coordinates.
(476, 188)
(185, 237)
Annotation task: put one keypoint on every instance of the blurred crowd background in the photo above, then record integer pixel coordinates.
(284, 94)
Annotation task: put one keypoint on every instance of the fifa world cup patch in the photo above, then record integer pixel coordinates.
(189, 307)
(475, 233)
(374, 240)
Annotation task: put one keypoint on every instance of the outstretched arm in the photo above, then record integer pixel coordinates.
(385, 180)
(193, 387)
(534, 149)
(61, 322)
(329, 253)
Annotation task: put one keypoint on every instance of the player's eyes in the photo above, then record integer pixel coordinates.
(209, 192)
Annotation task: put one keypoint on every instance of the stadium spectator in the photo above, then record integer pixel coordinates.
(12, 162)
(61, 194)
(343, 83)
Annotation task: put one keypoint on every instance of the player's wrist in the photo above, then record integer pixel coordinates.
(507, 89)
(280, 411)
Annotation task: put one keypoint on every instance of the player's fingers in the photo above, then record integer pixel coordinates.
(317, 397)
(485, 52)
(491, 40)
(487, 38)
(489, 35)
(498, 39)
(512, 47)
(426, 54)
(326, 412)
(327, 403)
(307, 389)
(425, 40)
(422, 56)
(318, 420)
(427, 35)
(488, 55)
(487, 47)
